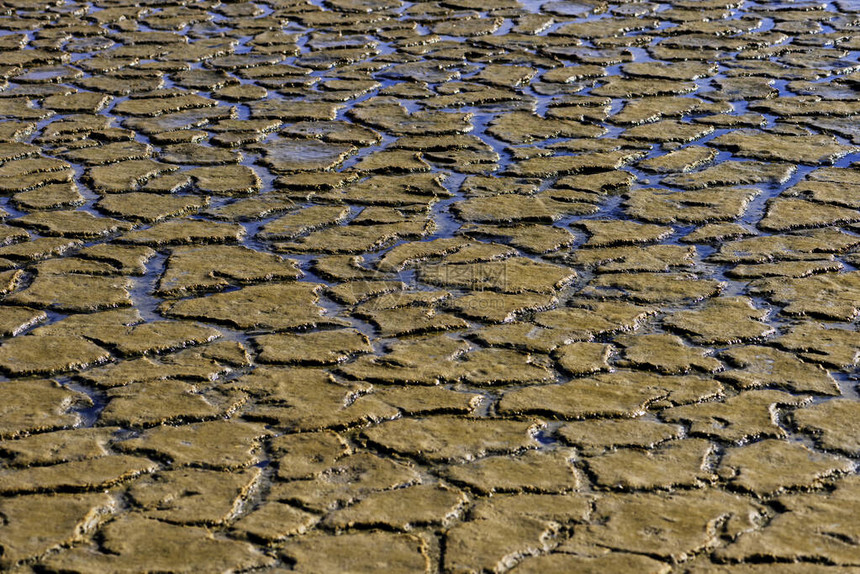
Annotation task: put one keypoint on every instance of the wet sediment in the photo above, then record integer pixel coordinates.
(448, 286)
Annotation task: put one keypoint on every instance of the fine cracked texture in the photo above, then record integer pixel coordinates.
(450, 286)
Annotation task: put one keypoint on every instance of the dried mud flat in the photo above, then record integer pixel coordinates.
(447, 286)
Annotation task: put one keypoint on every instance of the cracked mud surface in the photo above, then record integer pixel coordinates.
(446, 286)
